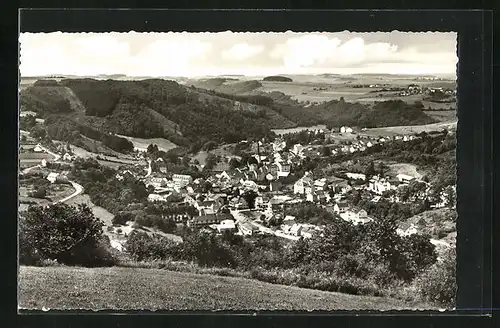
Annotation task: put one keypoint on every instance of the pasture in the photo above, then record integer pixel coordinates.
(66, 288)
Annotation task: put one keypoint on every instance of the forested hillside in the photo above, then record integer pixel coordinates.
(188, 116)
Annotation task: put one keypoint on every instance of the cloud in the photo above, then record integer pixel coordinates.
(171, 57)
(242, 51)
(101, 46)
(319, 50)
(191, 54)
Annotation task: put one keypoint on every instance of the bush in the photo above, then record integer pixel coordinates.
(438, 284)
(63, 233)
(40, 192)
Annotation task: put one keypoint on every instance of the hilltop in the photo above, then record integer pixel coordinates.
(155, 289)
(277, 79)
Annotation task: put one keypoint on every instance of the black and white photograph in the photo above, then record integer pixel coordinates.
(225, 171)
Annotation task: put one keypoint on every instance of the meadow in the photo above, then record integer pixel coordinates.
(155, 289)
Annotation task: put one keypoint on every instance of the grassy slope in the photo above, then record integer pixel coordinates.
(133, 288)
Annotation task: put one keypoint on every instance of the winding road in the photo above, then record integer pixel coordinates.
(78, 188)
(78, 191)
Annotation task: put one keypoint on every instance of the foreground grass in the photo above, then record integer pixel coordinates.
(153, 289)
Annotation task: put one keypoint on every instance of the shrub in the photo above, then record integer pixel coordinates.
(67, 234)
(438, 284)
(40, 192)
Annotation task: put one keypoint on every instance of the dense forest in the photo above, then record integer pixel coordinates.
(277, 79)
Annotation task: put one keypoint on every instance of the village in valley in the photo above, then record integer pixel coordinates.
(254, 194)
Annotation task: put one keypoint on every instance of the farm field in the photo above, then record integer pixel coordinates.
(154, 289)
(410, 129)
(28, 156)
(443, 115)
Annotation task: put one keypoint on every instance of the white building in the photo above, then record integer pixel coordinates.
(44, 162)
(303, 185)
(52, 177)
(379, 186)
(411, 230)
(283, 170)
(226, 225)
(356, 176)
(181, 180)
(67, 157)
(345, 129)
(156, 198)
(38, 148)
(298, 149)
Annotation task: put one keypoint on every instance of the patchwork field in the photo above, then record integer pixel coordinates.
(154, 289)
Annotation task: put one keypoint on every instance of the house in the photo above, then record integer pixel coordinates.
(226, 225)
(224, 176)
(303, 185)
(340, 208)
(345, 129)
(283, 169)
(38, 148)
(312, 197)
(407, 231)
(295, 230)
(156, 198)
(297, 149)
(181, 180)
(246, 228)
(44, 162)
(320, 185)
(379, 186)
(362, 214)
(279, 145)
(356, 176)
(289, 220)
(308, 232)
(207, 207)
(52, 177)
(159, 159)
(207, 220)
(67, 157)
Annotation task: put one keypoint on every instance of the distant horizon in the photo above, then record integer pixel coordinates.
(438, 75)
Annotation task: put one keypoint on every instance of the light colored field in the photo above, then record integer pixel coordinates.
(409, 129)
(153, 289)
(35, 156)
(140, 143)
(403, 168)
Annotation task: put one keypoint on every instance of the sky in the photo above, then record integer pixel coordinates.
(227, 53)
